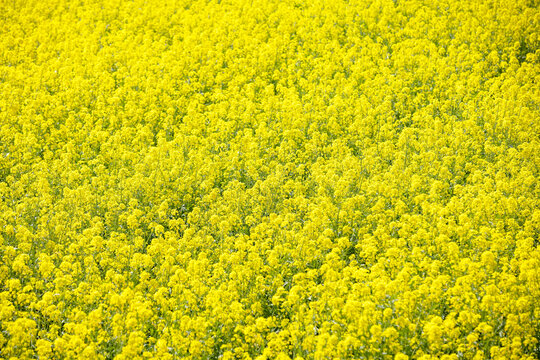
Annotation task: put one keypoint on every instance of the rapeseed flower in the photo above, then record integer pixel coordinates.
(269, 179)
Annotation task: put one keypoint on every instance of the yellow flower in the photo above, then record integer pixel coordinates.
(269, 179)
(44, 348)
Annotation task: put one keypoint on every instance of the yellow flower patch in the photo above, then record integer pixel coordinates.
(269, 179)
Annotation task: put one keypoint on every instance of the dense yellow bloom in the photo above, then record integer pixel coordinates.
(270, 179)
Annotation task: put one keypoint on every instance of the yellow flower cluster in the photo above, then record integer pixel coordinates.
(263, 179)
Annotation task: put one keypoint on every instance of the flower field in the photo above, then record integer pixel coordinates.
(263, 179)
